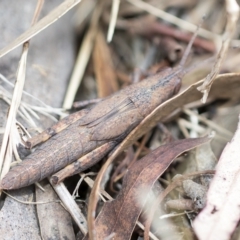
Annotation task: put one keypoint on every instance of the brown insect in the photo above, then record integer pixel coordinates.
(92, 134)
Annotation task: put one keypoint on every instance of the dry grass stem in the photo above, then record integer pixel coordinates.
(183, 128)
(174, 20)
(40, 25)
(84, 9)
(232, 10)
(48, 108)
(174, 215)
(17, 94)
(26, 110)
(113, 19)
(82, 58)
(71, 206)
(30, 203)
(227, 134)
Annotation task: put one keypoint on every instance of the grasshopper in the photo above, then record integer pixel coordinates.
(89, 135)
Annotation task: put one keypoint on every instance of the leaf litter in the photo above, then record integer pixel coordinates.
(137, 183)
(127, 51)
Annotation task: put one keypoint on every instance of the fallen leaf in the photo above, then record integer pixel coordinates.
(118, 218)
(221, 214)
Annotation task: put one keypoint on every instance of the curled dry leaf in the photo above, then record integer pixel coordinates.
(221, 214)
(119, 216)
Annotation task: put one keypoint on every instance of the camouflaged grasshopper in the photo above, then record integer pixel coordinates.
(89, 135)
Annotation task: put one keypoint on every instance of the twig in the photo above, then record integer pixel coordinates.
(172, 19)
(148, 26)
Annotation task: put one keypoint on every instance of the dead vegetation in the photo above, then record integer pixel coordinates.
(150, 163)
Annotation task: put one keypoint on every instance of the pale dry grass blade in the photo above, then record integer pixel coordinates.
(9, 134)
(8, 158)
(113, 19)
(227, 134)
(27, 110)
(4, 79)
(82, 58)
(27, 202)
(71, 206)
(83, 11)
(17, 94)
(232, 10)
(197, 129)
(52, 17)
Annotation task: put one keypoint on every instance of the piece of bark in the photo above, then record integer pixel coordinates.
(59, 222)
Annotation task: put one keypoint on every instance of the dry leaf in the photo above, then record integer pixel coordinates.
(119, 216)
